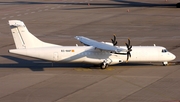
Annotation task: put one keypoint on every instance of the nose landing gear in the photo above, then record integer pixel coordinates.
(165, 63)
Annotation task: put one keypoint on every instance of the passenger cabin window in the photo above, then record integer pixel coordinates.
(164, 51)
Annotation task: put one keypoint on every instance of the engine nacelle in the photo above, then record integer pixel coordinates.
(115, 61)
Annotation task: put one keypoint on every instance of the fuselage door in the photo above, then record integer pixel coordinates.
(55, 56)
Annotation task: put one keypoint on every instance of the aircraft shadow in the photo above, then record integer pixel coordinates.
(39, 65)
(142, 4)
(118, 4)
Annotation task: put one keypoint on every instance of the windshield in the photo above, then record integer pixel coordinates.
(164, 50)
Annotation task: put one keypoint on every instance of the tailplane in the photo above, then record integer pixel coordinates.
(23, 38)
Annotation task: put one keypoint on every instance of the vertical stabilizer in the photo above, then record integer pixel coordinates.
(23, 38)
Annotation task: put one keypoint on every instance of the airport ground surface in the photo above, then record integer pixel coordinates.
(24, 79)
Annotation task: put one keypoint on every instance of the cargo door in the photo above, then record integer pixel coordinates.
(55, 56)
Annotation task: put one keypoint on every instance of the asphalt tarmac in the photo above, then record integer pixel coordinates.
(24, 79)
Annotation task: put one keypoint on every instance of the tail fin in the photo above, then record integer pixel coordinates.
(23, 38)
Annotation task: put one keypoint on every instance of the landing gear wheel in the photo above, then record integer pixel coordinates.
(165, 63)
(104, 65)
(178, 5)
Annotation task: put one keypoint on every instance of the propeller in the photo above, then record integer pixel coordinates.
(114, 42)
(128, 45)
(129, 49)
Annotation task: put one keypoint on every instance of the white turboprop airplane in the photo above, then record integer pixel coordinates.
(101, 53)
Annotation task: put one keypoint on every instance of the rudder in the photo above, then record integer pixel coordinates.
(23, 38)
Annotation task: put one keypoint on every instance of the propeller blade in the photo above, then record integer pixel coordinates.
(129, 54)
(114, 37)
(114, 42)
(129, 46)
(129, 43)
(127, 58)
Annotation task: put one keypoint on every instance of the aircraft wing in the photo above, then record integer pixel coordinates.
(99, 45)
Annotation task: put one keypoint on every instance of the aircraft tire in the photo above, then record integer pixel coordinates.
(165, 63)
(178, 5)
(104, 65)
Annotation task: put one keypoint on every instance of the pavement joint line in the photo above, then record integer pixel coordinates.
(155, 92)
(27, 87)
(82, 69)
(32, 12)
(82, 88)
(120, 78)
(19, 15)
(11, 16)
(7, 45)
(3, 18)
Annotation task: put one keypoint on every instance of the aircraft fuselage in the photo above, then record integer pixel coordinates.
(89, 54)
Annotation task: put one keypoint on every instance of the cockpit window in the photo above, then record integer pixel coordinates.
(164, 51)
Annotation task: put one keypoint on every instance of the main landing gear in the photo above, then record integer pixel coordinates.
(104, 65)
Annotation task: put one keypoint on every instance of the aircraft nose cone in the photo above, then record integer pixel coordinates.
(173, 56)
